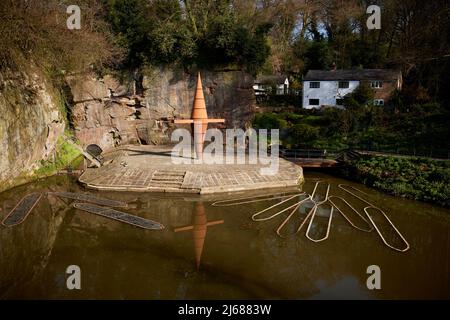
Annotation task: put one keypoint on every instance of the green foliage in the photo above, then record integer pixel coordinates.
(424, 130)
(166, 32)
(65, 155)
(420, 179)
(303, 133)
(361, 96)
(269, 121)
(318, 55)
(150, 31)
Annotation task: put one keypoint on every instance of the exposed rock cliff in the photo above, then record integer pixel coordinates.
(109, 113)
(31, 122)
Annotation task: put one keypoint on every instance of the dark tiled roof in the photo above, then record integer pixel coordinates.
(271, 79)
(354, 74)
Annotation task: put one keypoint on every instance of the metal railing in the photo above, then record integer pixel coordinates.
(310, 153)
(438, 154)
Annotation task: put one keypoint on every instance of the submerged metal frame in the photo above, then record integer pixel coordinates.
(39, 197)
(372, 206)
(274, 206)
(312, 220)
(354, 210)
(318, 204)
(366, 210)
(343, 187)
(297, 205)
(232, 202)
(292, 213)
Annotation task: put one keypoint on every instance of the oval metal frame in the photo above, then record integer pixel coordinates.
(274, 206)
(233, 202)
(366, 210)
(291, 214)
(354, 210)
(372, 206)
(342, 187)
(312, 220)
(314, 211)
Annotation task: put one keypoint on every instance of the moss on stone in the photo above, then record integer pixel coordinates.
(65, 155)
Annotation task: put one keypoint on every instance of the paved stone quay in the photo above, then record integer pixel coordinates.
(150, 169)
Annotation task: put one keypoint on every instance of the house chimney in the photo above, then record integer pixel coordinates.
(333, 66)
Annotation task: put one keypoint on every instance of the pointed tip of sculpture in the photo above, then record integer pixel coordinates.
(199, 80)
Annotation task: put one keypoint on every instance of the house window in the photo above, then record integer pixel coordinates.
(376, 84)
(378, 102)
(314, 84)
(339, 102)
(344, 84)
(314, 102)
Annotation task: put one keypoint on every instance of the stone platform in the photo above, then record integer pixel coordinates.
(150, 169)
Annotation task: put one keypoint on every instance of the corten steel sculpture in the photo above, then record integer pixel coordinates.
(199, 119)
(199, 228)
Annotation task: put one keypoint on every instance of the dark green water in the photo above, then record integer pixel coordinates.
(240, 259)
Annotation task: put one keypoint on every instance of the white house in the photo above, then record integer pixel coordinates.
(266, 84)
(328, 88)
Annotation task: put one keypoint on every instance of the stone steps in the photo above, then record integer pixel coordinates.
(169, 179)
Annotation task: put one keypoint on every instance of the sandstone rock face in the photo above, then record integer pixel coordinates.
(109, 113)
(30, 124)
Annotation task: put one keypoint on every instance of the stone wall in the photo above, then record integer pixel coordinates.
(31, 122)
(109, 113)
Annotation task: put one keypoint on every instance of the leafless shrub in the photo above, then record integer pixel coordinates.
(36, 31)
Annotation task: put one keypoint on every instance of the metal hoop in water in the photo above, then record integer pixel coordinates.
(314, 210)
(291, 214)
(311, 213)
(274, 206)
(233, 202)
(366, 210)
(312, 220)
(344, 186)
(354, 210)
(315, 190)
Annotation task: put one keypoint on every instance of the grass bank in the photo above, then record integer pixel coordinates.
(65, 155)
(415, 178)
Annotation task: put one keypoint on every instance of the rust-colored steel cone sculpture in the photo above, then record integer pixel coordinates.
(199, 119)
(199, 229)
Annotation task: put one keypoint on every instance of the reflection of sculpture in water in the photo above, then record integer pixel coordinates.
(199, 228)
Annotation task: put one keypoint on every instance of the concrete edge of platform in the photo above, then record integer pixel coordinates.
(249, 187)
(206, 190)
(134, 189)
